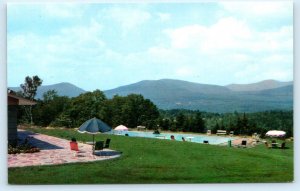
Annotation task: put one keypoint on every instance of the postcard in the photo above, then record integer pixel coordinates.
(150, 93)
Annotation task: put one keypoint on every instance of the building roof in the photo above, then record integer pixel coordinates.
(13, 99)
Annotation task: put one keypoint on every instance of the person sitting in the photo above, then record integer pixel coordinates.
(172, 137)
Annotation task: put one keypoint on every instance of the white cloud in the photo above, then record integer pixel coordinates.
(90, 35)
(63, 10)
(226, 33)
(128, 18)
(259, 9)
(229, 47)
(230, 35)
(238, 57)
(162, 55)
(164, 17)
(184, 71)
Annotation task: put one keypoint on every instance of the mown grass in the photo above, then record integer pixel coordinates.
(147, 160)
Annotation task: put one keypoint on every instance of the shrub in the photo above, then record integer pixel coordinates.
(23, 148)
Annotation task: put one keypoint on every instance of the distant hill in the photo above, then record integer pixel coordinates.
(176, 94)
(167, 88)
(263, 85)
(63, 89)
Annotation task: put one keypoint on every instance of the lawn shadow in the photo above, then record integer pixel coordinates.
(285, 148)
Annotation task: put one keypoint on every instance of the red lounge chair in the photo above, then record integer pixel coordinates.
(74, 146)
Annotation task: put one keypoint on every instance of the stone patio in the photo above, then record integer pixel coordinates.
(55, 151)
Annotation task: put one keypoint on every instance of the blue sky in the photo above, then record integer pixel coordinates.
(103, 46)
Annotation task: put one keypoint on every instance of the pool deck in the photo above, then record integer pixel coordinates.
(54, 151)
(251, 142)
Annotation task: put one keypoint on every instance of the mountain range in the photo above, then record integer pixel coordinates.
(178, 94)
(62, 89)
(263, 85)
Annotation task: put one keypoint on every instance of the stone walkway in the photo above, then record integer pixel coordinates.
(54, 151)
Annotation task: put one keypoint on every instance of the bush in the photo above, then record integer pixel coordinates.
(62, 120)
(23, 148)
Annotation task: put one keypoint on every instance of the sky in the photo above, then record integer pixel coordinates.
(104, 46)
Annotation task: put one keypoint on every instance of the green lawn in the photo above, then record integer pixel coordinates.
(163, 161)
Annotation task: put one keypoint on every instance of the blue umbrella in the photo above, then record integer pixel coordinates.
(94, 126)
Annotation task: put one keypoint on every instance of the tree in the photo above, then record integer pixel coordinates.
(29, 88)
(198, 123)
(165, 123)
(86, 106)
(133, 110)
(50, 108)
(245, 125)
(180, 122)
(215, 128)
(49, 96)
(113, 111)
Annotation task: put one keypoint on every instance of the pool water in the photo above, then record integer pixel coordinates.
(178, 137)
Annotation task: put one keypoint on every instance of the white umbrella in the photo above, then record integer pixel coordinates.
(121, 128)
(275, 133)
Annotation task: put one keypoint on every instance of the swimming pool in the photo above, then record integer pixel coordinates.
(178, 137)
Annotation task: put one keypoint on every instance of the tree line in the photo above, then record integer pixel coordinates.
(133, 110)
(239, 123)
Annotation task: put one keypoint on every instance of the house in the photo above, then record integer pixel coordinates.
(13, 101)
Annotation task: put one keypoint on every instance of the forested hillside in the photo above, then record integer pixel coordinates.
(133, 110)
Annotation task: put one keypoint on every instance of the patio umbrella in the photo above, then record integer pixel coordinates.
(121, 128)
(94, 126)
(275, 133)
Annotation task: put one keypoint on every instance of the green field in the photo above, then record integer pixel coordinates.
(163, 161)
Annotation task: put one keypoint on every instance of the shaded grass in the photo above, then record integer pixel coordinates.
(146, 160)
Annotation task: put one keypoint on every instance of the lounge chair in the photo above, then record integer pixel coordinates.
(74, 146)
(267, 145)
(221, 132)
(106, 144)
(244, 143)
(99, 145)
